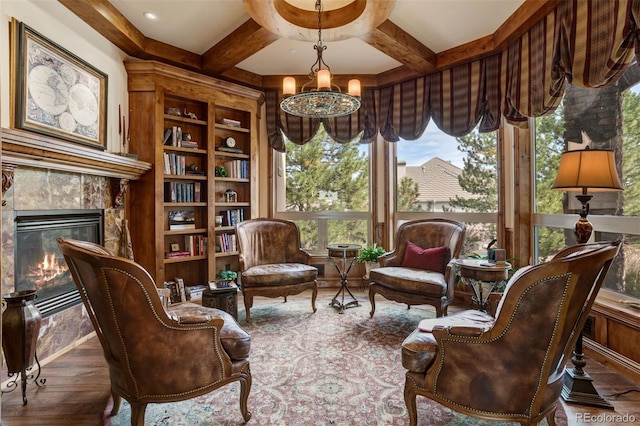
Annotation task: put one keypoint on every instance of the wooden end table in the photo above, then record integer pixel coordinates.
(482, 276)
(225, 299)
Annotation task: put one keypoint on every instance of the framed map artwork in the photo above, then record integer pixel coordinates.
(57, 93)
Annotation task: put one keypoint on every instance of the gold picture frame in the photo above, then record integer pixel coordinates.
(56, 93)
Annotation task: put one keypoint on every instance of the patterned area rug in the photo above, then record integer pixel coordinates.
(317, 369)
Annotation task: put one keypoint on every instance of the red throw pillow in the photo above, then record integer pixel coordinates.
(430, 259)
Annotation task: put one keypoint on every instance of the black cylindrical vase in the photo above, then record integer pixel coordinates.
(21, 323)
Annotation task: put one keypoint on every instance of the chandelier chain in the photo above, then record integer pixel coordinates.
(319, 47)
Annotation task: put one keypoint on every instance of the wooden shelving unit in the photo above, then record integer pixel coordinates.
(157, 93)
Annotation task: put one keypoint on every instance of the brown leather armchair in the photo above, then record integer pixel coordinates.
(420, 285)
(509, 368)
(272, 264)
(155, 355)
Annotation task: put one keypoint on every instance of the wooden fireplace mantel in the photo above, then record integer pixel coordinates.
(21, 148)
(27, 149)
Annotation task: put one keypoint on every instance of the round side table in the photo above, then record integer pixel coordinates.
(482, 277)
(343, 252)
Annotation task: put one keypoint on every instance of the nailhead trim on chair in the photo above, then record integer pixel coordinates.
(195, 327)
(469, 339)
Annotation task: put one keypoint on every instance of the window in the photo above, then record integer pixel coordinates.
(456, 178)
(609, 118)
(323, 186)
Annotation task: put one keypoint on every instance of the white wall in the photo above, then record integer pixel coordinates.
(58, 24)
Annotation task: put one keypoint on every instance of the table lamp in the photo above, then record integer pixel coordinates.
(586, 170)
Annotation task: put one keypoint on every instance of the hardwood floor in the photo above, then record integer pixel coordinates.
(77, 392)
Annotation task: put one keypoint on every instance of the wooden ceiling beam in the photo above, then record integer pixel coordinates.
(393, 41)
(244, 41)
(250, 37)
(103, 17)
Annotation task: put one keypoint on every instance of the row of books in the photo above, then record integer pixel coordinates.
(227, 243)
(175, 164)
(173, 136)
(231, 217)
(195, 245)
(179, 192)
(194, 292)
(179, 292)
(237, 169)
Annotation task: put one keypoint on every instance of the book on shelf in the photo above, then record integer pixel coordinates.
(168, 136)
(195, 245)
(174, 291)
(194, 292)
(237, 169)
(188, 144)
(181, 289)
(231, 150)
(230, 122)
(227, 242)
(177, 254)
(197, 192)
(231, 217)
(173, 136)
(181, 219)
(179, 192)
(174, 164)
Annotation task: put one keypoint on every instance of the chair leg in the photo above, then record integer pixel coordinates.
(137, 414)
(372, 295)
(410, 402)
(314, 295)
(117, 402)
(551, 418)
(245, 388)
(248, 302)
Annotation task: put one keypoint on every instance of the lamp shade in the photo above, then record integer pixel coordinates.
(289, 86)
(589, 169)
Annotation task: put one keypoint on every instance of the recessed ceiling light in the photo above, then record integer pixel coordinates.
(150, 15)
(293, 51)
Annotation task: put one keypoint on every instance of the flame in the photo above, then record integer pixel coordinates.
(47, 270)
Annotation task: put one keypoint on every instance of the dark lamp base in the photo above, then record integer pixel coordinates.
(578, 389)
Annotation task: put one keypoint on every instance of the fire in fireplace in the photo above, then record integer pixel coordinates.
(39, 264)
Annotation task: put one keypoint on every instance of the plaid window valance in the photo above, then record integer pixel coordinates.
(586, 43)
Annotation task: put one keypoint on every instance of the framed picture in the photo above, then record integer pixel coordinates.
(175, 247)
(56, 93)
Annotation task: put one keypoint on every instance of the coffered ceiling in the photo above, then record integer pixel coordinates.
(254, 42)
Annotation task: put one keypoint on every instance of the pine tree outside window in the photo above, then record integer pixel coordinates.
(323, 186)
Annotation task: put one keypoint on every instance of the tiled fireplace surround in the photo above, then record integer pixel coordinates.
(59, 181)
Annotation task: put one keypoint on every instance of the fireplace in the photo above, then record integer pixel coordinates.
(39, 264)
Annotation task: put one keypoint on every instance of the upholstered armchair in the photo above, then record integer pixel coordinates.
(155, 355)
(272, 264)
(418, 271)
(509, 368)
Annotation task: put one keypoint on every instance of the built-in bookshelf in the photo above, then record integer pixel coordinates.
(233, 185)
(199, 134)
